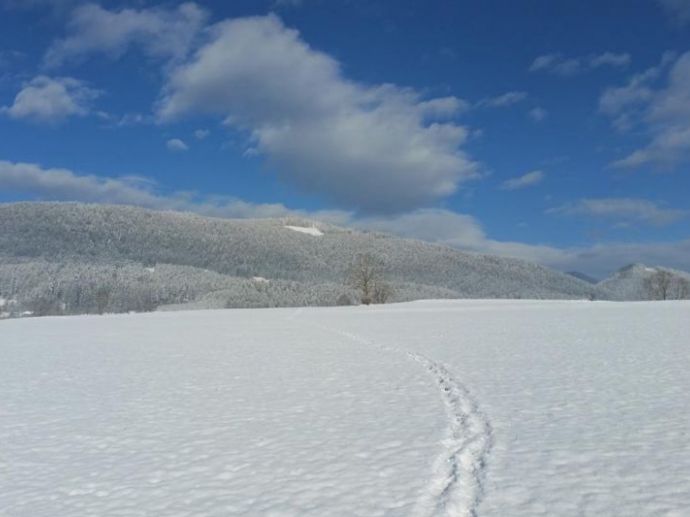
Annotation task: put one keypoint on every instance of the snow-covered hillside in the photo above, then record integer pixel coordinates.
(455, 408)
(67, 248)
(633, 283)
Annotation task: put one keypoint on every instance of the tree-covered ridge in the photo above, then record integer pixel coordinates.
(70, 257)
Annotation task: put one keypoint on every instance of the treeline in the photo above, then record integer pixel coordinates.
(42, 288)
(45, 288)
(664, 285)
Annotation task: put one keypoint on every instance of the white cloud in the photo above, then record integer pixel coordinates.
(526, 180)
(560, 65)
(618, 102)
(66, 185)
(63, 184)
(56, 5)
(175, 144)
(433, 225)
(161, 33)
(609, 59)
(457, 231)
(544, 62)
(622, 210)
(46, 99)
(134, 119)
(678, 11)
(625, 104)
(201, 134)
(662, 112)
(602, 259)
(442, 107)
(466, 233)
(430, 224)
(502, 101)
(373, 148)
(277, 4)
(538, 114)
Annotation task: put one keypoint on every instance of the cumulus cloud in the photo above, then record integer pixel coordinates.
(432, 225)
(461, 231)
(201, 134)
(622, 210)
(375, 148)
(161, 33)
(46, 99)
(661, 111)
(569, 66)
(175, 144)
(502, 101)
(56, 184)
(538, 114)
(526, 180)
(464, 232)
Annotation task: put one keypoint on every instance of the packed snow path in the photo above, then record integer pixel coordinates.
(350, 411)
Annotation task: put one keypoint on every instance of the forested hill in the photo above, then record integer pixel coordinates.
(641, 282)
(71, 234)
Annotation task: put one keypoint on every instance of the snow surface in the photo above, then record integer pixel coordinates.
(454, 408)
(309, 230)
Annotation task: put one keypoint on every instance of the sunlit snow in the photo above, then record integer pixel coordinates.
(488, 408)
(309, 230)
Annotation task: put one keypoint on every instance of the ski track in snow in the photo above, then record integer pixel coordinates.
(456, 486)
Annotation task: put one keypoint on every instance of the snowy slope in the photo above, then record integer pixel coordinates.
(68, 233)
(488, 408)
(628, 283)
(309, 230)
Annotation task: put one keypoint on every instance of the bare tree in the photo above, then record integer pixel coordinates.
(102, 298)
(382, 292)
(366, 277)
(681, 289)
(343, 299)
(658, 285)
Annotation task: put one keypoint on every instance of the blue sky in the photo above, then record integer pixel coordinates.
(557, 132)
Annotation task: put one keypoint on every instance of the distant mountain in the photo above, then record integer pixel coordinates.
(641, 282)
(583, 277)
(56, 251)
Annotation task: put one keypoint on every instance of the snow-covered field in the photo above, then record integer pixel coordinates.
(500, 408)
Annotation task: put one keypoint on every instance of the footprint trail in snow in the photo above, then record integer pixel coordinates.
(456, 486)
